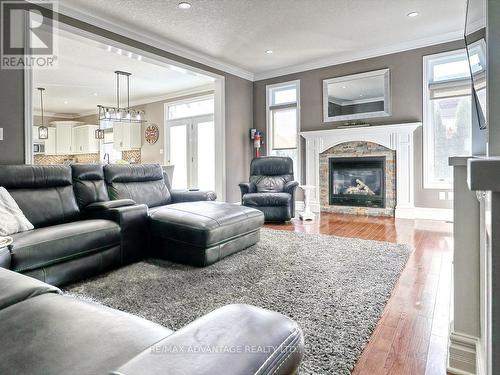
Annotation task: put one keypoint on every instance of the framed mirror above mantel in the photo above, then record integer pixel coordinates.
(357, 96)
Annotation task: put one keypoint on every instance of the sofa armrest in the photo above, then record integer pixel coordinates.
(5, 257)
(245, 339)
(133, 222)
(179, 196)
(290, 187)
(247, 187)
(110, 204)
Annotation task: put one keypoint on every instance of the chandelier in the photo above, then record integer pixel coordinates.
(119, 113)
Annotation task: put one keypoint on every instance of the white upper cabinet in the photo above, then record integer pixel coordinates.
(84, 141)
(72, 138)
(64, 137)
(50, 142)
(127, 136)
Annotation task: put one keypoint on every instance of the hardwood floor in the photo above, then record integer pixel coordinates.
(411, 336)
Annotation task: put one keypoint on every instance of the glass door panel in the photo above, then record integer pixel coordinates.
(205, 155)
(179, 155)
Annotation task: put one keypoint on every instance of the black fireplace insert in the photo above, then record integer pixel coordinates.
(358, 181)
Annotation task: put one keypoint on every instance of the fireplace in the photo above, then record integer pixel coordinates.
(357, 182)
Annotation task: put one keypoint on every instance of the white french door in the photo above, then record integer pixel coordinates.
(191, 149)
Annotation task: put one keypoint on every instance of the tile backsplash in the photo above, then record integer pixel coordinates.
(60, 159)
(133, 156)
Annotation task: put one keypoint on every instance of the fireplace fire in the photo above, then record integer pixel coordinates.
(358, 182)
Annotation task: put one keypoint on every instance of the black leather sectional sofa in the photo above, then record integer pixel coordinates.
(89, 219)
(44, 332)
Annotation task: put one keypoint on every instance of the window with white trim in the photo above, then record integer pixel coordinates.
(283, 122)
(447, 115)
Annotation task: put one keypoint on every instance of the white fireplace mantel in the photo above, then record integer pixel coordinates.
(397, 137)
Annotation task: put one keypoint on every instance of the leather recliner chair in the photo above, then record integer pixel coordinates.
(271, 188)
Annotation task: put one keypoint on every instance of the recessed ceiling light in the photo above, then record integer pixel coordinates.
(412, 14)
(65, 102)
(344, 87)
(95, 94)
(184, 5)
(269, 51)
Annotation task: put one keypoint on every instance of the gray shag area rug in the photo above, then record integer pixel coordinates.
(335, 288)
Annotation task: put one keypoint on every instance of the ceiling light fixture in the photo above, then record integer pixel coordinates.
(269, 51)
(118, 113)
(43, 131)
(184, 5)
(412, 14)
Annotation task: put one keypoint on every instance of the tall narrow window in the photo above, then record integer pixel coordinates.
(283, 121)
(447, 115)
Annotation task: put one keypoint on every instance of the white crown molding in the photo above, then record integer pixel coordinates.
(362, 55)
(72, 11)
(55, 114)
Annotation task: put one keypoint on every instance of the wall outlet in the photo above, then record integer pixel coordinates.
(442, 195)
(1, 134)
(161, 151)
(450, 195)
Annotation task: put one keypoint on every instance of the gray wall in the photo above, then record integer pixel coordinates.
(239, 111)
(406, 86)
(12, 119)
(493, 39)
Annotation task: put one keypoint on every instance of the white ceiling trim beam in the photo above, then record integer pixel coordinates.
(154, 41)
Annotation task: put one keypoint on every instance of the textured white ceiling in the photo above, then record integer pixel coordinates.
(298, 31)
(85, 77)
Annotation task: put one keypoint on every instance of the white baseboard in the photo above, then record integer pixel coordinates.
(462, 354)
(440, 214)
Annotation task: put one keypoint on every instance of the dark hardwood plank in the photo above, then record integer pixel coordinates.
(411, 335)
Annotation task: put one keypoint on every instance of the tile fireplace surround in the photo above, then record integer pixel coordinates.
(395, 139)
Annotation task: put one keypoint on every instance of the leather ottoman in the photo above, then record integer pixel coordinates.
(202, 233)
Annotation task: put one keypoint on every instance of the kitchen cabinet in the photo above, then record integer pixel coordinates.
(64, 139)
(50, 143)
(127, 136)
(84, 141)
(35, 134)
(64, 136)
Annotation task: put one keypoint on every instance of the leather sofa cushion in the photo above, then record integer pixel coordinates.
(59, 243)
(267, 199)
(43, 192)
(16, 288)
(34, 176)
(143, 183)
(60, 335)
(88, 184)
(204, 224)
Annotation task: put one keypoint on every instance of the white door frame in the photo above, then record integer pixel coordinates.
(219, 95)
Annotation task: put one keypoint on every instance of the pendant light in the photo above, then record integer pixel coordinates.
(43, 131)
(119, 113)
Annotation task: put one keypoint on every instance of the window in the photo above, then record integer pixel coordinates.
(283, 122)
(447, 115)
